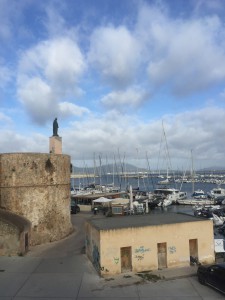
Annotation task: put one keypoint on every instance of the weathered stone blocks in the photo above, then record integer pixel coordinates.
(37, 186)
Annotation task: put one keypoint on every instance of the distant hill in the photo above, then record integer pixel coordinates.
(215, 168)
(129, 168)
(110, 168)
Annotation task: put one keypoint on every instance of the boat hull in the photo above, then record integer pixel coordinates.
(196, 201)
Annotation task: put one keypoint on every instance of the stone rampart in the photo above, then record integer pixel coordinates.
(37, 186)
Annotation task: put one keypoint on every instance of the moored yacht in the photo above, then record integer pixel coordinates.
(196, 201)
(199, 194)
(217, 193)
(169, 193)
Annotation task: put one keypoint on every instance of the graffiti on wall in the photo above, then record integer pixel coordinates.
(142, 250)
(172, 249)
(96, 257)
(116, 260)
(139, 257)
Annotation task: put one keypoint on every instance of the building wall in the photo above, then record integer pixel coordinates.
(13, 241)
(144, 250)
(37, 186)
(92, 245)
(9, 239)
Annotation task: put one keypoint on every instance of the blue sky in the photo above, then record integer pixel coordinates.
(112, 71)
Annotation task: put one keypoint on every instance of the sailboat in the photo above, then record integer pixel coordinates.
(198, 197)
(164, 193)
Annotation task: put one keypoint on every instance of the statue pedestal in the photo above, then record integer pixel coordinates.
(55, 144)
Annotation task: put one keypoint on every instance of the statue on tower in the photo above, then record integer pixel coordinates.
(55, 127)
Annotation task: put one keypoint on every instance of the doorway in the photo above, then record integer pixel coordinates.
(193, 250)
(125, 254)
(162, 255)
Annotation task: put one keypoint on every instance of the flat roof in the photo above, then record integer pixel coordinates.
(119, 222)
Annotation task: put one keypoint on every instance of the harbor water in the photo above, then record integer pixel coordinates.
(144, 184)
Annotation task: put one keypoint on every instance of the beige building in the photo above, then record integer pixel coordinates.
(149, 242)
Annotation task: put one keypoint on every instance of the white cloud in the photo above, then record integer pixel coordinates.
(58, 61)
(184, 131)
(67, 108)
(222, 94)
(190, 67)
(116, 54)
(121, 99)
(55, 23)
(5, 120)
(111, 132)
(14, 142)
(200, 6)
(5, 75)
(38, 99)
(12, 17)
(136, 63)
(184, 55)
(48, 74)
(6, 26)
(99, 135)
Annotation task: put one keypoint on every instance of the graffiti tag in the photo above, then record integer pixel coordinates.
(116, 260)
(142, 250)
(139, 257)
(172, 249)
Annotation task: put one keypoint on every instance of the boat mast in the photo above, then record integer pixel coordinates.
(100, 170)
(169, 165)
(94, 168)
(149, 172)
(138, 169)
(192, 172)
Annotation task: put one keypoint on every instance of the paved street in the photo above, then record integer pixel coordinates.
(61, 270)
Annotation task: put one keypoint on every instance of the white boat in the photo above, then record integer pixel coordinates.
(182, 195)
(164, 182)
(199, 194)
(217, 220)
(217, 192)
(194, 201)
(208, 207)
(170, 193)
(165, 202)
(141, 195)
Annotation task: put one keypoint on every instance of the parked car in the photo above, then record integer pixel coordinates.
(213, 275)
(74, 207)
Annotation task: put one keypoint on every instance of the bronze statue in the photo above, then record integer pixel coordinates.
(55, 127)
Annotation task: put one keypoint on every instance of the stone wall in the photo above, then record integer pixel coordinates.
(9, 239)
(14, 234)
(37, 186)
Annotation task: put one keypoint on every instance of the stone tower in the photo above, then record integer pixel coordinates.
(37, 186)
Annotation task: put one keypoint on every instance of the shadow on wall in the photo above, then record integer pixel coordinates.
(14, 234)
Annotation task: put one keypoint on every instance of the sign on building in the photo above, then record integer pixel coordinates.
(219, 245)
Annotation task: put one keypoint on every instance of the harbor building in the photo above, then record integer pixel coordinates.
(140, 243)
